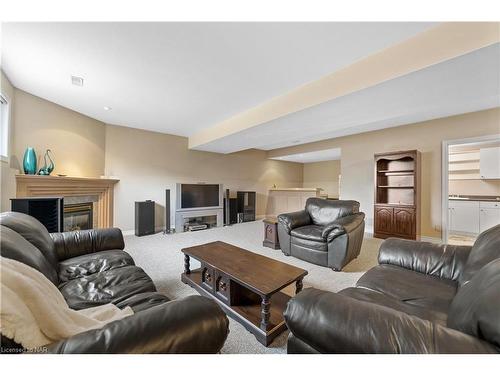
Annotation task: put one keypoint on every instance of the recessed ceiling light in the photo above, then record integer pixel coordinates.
(77, 81)
(107, 108)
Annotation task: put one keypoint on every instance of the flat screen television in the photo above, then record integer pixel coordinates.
(199, 195)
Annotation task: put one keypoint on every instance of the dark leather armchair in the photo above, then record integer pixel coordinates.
(328, 233)
(90, 268)
(421, 298)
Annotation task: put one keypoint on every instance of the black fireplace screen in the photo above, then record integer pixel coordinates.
(78, 216)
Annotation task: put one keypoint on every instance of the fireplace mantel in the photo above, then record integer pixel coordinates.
(46, 186)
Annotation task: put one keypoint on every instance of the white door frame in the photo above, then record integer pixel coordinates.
(444, 176)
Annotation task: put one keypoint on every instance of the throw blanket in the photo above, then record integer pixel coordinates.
(34, 313)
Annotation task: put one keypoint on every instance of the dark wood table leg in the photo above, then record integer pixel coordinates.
(265, 312)
(298, 286)
(187, 271)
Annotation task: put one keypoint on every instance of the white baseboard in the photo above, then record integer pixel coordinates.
(369, 234)
(431, 239)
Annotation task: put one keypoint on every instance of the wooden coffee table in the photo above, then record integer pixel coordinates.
(246, 285)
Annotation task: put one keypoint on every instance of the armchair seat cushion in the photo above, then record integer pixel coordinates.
(305, 245)
(112, 286)
(412, 288)
(309, 232)
(88, 264)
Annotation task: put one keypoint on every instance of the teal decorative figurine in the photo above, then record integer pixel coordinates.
(46, 170)
(29, 161)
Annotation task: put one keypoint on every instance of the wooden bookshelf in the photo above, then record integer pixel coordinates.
(397, 194)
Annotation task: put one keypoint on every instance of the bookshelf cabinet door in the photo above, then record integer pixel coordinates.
(404, 222)
(383, 219)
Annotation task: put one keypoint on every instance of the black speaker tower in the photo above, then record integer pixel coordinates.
(227, 221)
(168, 229)
(144, 218)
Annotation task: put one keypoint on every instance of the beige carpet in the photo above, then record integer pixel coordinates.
(160, 256)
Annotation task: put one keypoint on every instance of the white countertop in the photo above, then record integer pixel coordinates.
(296, 189)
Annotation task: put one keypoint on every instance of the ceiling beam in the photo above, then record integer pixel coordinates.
(441, 43)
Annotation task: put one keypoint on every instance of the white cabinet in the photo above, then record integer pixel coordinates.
(489, 163)
(489, 215)
(463, 216)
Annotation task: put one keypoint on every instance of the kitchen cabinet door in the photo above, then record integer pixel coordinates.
(465, 216)
(489, 215)
(489, 163)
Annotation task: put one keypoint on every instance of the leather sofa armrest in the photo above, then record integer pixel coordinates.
(342, 225)
(294, 220)
(333, 323)
(73, 244)
(194, 324)
(444, 261)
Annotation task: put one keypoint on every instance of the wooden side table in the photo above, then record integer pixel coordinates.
(271, 233)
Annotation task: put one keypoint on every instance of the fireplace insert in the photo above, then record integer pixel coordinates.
(78, 216)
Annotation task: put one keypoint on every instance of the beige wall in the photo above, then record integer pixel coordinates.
(77, 141)
(358, 150)
(7, 182)
(474, 187)
(147, 163)
(323, 174)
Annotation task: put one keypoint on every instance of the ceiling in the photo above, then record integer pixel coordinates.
(313, 156)
(184, 78)
(180, 78)
(465, 84)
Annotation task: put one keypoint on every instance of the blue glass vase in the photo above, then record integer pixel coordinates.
(29, 161)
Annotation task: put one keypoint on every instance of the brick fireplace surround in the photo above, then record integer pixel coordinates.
(49, 186)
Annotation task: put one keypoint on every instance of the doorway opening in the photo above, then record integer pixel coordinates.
(470, 188)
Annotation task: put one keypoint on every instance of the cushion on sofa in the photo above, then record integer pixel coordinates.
(485, 249)
(143, 301)
(378, 298)
(411, 287)
(89, 264)
(475, 308)
(72, 244)
(14, 246)
(110, 286)
(33, 231)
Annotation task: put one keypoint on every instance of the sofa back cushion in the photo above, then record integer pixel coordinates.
(475, 309)
(14, 246)
(323, 211)
(485, 249)
(33, 231)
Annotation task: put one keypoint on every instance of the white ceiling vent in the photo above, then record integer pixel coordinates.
(77, 81)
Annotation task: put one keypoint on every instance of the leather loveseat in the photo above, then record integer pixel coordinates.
(421, 298)
(327, 232)
(90, 268)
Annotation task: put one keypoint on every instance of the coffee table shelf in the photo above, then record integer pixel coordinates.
(240, 287)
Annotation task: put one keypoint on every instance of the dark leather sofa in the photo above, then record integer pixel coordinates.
(327, 232)
(421, 298)
(90, 268)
